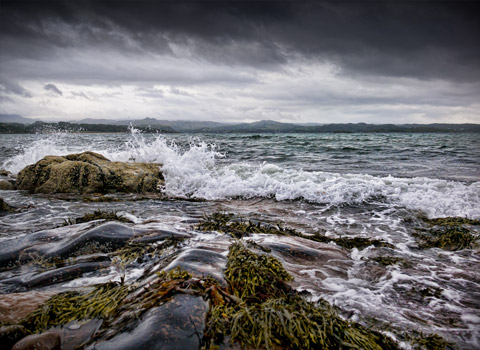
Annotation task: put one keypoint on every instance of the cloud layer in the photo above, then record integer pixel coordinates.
(241, 61)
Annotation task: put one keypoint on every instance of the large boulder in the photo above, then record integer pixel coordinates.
(89, 172)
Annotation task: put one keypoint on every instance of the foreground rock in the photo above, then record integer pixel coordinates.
(5, 207)
(6, 185)
(178, 324)
(45, 341)
(89, 172)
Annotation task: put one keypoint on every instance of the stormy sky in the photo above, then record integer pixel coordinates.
(291, 61)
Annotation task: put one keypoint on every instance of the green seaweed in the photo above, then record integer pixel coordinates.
(100, 199)
(451, 221)
(432, 342)
(66, 307)
(448, 238)
(97, 215)
(250, 275)
(267, 314)
(241, 227)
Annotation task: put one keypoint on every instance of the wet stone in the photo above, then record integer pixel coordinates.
(178, 324)
(113, 234)
(50, 340)
(6, 185)
(89, 172)
(159, 235)
(201, 262)
(9, 335)
(15, 306)
(62, 274)
(77, 333)
(5, 207)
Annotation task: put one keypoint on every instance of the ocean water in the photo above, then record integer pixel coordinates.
(341, 185)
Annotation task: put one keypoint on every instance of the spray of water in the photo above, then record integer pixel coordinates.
(193, 171)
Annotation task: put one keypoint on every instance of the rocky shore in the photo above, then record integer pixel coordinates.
(238, 291)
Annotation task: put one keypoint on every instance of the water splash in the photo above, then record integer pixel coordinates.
(193, 171)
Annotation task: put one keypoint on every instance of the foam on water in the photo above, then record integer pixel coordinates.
(194, 172)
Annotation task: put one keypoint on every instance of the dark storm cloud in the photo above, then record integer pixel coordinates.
(419, 39)
(53, 88)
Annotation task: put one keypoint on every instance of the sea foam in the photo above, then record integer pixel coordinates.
(195, 172)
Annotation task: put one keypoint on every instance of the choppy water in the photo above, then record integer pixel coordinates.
(369, 185)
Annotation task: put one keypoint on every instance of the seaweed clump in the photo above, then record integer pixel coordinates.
(447, 233)
(432, 342)
(240, 227)
(265, 312)
(389, 260)
(97, 215)
(69, 306)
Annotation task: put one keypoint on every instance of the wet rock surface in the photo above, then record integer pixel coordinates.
(201, 262)
(6, 185)
(89, 172)
(9, 335)
(178, 324)
(45, 341)
(5, 207)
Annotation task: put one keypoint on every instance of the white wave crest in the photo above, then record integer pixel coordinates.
(194, 172)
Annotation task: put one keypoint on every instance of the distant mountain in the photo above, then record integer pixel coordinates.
(177, 125)
(41, 127)
(15, 118)
(269, 126)
(12, 123)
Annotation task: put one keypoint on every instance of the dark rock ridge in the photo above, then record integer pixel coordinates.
(89, 172)
(5, 207)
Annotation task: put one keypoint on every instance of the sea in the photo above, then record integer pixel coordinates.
(373, 185)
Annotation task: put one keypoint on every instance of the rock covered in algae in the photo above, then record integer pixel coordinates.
(89, 172)
(6, 185)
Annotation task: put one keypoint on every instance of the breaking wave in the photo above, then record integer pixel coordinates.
(194, 171)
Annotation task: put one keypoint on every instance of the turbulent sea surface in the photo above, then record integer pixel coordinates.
(341, 185)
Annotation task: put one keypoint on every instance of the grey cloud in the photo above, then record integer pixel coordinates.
(11, 87)
(53, 88)
(426, 40)
(81, 94)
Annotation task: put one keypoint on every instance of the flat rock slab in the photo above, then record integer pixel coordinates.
(178, 324)
(89, 172)
(64, 242)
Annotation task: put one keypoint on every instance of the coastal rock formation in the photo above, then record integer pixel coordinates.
(5, 207)
(89, 172)
(6, 185)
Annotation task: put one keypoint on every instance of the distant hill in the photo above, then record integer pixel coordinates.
(41, 127)
(268, 126)
(26, 125)
(15, 118)
(177, 125)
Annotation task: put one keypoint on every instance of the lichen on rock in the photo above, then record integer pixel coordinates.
(89, 172)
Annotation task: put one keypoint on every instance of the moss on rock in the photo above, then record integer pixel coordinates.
(89, 172)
